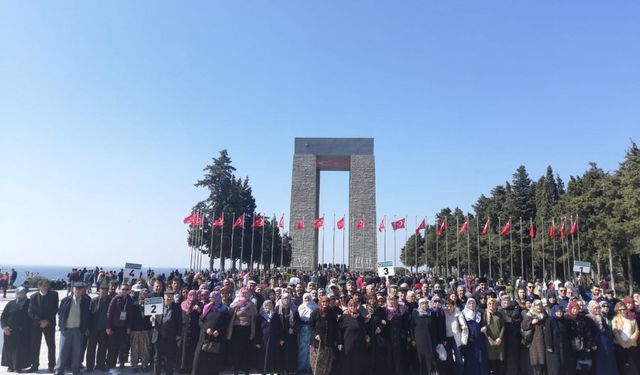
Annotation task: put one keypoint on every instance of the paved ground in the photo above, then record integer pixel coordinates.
(43, 349)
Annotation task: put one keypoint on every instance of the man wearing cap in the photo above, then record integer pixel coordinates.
(43, 307)
(73, 322)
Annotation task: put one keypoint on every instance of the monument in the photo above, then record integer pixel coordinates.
(354, 155)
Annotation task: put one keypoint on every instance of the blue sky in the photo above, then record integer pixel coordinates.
(109, 111)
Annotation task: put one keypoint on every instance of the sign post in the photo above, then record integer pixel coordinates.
(153, 306)
(132, 271)
(582, 267)
(385, 269)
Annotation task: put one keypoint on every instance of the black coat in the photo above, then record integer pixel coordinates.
(351, 335)
(325, 327)
(169, 323)
(65, 306)
(16, 351)
(204, 362)
(98, 313)
(43, 307)
(556, 339)
(269, 333)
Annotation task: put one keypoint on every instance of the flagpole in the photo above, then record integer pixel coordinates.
(468, 248)
(242, 242)
(253, 229)
(302, 233)
(578, 230)
(333, 247)
(573, 242)
(446, 245)
(458, 243)
(426, 253)
(221, 238)
(555, 259)
(489, 238)
(533, 269)
(323, 239)
(233, 231)
(213, 216)
(262, 246)
(394, 242)
(406, 220)
(478, 244)
(416, 245)
(384, 246)
(542, 247)
(521, 252)
(273, 239)
(282, 245)
(510, 249)
(343, 247)
(437, 235)
(500, 248)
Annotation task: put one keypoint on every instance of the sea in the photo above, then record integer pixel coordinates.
(61, 272)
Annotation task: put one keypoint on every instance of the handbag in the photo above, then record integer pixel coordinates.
(464, 333)
(577, 344)
(210, 346)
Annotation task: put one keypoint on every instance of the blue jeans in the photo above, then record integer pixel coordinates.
(454, 365)
(70, 348)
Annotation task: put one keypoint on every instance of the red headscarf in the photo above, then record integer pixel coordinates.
(572, 304)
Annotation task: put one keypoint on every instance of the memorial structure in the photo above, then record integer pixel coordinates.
(354, 155)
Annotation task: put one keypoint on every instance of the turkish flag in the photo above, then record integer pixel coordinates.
(552, 230)
(485, 230)
(398, 224)
(281, 222)
(300, 224)
(259, 223)
(239, 222)
(197, 219)
(360, 224)
(506, 229)
(423, 225)
(562, 228)
(465, 226)
(381, 226)
(443, 227)
(340, 223)
(318, 223)
(574, 227)
(189, 219)
(218, 222)
(532, 232)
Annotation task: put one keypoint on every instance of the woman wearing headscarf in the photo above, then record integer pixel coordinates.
(604, 359)
(15, 326)
(580, 340)
(533, 336)
(495, 336)
(324, 329)
(556, 339)
(352, 341)
(475, 352)
(625, 338)
(305, 310)
(375, 320)
(191, 310)
(208, 356)
(512, 321)
(288, 315)
(269, 339)
(395, 332)
(242, 330)
(421, 336)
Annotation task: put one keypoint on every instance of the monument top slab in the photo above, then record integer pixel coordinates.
(334, 146)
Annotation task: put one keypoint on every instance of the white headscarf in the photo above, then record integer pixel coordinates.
(306, 308)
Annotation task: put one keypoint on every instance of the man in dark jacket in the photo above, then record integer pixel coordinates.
(43, 307)
(119, 326)
(74, 323)
(97, 330)
(166, 334)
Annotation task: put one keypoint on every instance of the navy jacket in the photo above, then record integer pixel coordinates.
(65, 306)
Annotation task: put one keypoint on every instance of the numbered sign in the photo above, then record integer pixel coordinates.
(153, 306)
(386, 269)
(132, 270)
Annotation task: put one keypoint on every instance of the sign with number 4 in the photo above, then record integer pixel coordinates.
(132, 270)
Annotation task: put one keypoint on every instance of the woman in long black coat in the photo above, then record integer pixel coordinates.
(512, 321)
(324, 331)
(556, 339)
(190, 331)
(421, 337)
(352, 341)
(290, 321)
(213, 326)
(15, 325)
(269, 339)
(375, 321)
(396, 333)
(580, 340)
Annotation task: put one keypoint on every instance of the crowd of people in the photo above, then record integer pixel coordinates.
(328, 322)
